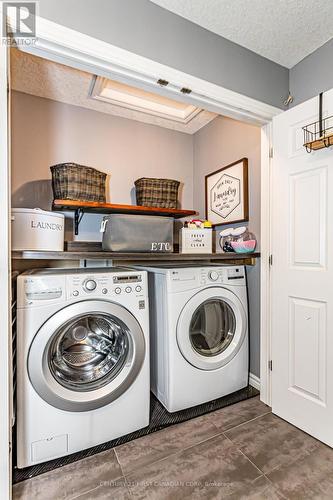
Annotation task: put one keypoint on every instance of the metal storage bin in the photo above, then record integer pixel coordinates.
(137, 233)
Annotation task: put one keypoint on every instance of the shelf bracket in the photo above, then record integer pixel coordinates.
(78, 214)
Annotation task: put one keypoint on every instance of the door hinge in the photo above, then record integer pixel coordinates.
(270, 365)
(270, 260)
(271, 152)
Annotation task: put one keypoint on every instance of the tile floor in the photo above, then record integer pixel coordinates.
(240, 452)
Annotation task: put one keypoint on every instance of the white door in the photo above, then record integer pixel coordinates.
(5, 337)
(302, 274)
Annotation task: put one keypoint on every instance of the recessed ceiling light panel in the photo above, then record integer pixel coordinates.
(140, 100)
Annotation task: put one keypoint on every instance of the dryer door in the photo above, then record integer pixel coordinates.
(86, 355)
(211, 328)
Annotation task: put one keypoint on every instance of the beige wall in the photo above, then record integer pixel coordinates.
(48, 132)
(220, 143)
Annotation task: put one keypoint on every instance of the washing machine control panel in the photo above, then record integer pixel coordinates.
(132, 278)
(235, 275)
(231, 275)
(105, 285)
(44, 289)
(210, 276)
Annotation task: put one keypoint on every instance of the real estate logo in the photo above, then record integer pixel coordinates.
(19, 22)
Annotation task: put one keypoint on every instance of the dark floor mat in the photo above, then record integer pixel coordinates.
(159, 419)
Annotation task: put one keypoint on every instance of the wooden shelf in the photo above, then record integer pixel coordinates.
(138, 257)
(80, 207)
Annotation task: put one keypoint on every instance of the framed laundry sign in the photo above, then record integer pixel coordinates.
(227, 194)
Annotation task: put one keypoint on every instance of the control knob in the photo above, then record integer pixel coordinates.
(90, 285)
(213, 275)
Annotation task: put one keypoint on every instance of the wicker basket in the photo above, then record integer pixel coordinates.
(71, 181)
(162, 193)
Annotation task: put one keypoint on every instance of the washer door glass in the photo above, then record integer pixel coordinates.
(86, 353)
(212, 327)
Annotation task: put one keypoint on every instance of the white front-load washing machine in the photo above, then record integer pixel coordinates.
(198, 333)
(82, 359)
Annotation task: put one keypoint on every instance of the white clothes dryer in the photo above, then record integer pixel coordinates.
(198, 332)
(82, 359)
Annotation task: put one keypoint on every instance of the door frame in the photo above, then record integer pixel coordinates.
(73, 48)
(266, 262)
(6, 389)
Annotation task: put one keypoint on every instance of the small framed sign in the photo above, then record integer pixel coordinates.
(227, 194)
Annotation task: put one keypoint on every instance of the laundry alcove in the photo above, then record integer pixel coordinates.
(56, 119)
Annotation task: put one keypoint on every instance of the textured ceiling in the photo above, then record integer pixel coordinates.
(284, 31)
(43, 78)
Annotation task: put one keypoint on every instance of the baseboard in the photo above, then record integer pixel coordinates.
(254, 381)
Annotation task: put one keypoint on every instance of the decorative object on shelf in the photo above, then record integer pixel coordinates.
(197, 224)
(36, 229)
(243, 241)
(196, 237)
(107, 208)
(161, 193)
(225, 239)
(137, 233)
(227, 197)
(319, 134)
(71, 181)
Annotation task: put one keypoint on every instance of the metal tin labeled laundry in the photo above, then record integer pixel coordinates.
(36, 229)
(137, 233)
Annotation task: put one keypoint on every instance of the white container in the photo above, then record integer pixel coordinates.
(195, 240)
(36, 229)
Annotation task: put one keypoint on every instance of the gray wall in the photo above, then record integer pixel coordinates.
(312, 75)
(219, 143)
(148, 30)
